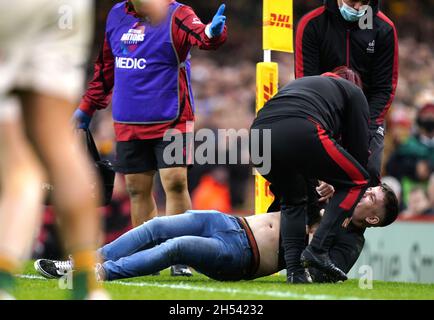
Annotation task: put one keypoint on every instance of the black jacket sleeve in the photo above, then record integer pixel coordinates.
(307, 53)
(345, 252)
(384, 76)
(355, 137)
(347, 248)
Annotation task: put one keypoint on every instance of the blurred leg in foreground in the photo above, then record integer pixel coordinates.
(21, 177)
(43, 67)
(76, 192)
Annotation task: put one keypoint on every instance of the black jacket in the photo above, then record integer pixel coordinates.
(335, 103)
(324, 41)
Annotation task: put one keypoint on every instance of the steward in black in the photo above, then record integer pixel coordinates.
(305, 118)
(325, 41)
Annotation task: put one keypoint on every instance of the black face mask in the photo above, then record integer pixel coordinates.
(427, 124)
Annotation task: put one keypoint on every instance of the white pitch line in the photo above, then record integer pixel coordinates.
(30, 276)
(270, 293)
(189, 287)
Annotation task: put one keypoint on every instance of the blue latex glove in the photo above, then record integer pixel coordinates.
(218, 22)
(82, 119)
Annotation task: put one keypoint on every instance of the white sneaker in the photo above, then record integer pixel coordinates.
(99, 272)
(53, 269)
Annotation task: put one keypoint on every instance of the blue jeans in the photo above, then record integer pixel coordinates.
(211, 242)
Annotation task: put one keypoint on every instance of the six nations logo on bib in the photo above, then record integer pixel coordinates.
(131, 39)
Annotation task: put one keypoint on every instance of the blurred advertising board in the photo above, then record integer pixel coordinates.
(402, 252)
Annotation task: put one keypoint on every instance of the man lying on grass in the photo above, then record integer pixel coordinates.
(221, 246)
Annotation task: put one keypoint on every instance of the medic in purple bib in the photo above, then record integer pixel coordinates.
(144, 70)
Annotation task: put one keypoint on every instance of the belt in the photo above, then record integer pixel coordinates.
(254, 265)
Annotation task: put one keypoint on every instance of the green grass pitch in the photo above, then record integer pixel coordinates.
(32, 287)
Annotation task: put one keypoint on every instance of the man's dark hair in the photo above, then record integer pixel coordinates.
(391, 206)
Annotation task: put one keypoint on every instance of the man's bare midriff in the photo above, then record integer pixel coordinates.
(266, 229)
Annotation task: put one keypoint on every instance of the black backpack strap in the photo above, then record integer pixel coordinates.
(91, 146)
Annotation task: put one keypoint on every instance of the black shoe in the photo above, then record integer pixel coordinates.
(321, 261)
(320, 277)
(298, 277)
(53, 269)
(180, 270)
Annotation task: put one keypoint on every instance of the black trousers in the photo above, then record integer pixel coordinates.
(301, 150)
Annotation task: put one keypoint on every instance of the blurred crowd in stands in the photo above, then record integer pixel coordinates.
(224, 90)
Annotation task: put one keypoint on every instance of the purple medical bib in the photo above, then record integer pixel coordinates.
(147, 67)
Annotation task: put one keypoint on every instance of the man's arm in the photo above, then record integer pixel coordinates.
(384, 76)
(347, 248)
(98, 94)
(344, 253)
(380, 95)
(307, 51)
(356, 127)
(189, 29)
